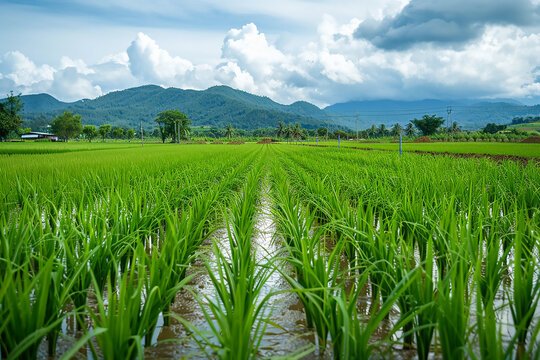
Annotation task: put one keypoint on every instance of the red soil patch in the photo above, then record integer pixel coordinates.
(497, 158)
(532, 140)
(422, 139)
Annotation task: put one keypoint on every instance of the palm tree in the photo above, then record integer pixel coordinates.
(288, 132)
(455, 128)
(372, 131)
(184, 129)
(396, 129)
(296, 131)
(409, 129)
(382, 131)
(280, 131)
(229, 130)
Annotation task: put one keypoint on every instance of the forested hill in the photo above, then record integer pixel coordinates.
(221, 105)
(469, 114)
(216, 106)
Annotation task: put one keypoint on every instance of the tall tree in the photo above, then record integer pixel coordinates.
(322, 132)
(428, 124)
(104, 130)
(372, 131)
(297, 131)
(229, 131)
(382, 131)
(173, 123)
(455, 128)
(67, 125)
(118, 132)
(10, 119)
(409, 129)
(90, 132)
(130, 134)
(492, 128)
(280, 131)
(288, 131)
(396, 129)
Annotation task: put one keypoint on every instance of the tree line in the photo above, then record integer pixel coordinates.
(176, 126)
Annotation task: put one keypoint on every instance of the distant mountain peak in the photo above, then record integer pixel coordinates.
(215, 106)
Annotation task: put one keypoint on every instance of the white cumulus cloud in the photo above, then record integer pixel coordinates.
(336, 66)
(151, 63)
(74, 85)
(18, 68)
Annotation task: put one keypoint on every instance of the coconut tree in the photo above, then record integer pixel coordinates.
(409, 129)
(296, 131)
(229, 131)
(396, 129)
(280, 131)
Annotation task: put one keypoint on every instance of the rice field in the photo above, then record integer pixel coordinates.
(483, 148)
(266, 251)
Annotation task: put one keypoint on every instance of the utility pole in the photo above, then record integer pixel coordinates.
(142, 136)
(357, 137)
(400, 143)
(448, 112)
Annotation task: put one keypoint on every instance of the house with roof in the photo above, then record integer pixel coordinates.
(36, 135)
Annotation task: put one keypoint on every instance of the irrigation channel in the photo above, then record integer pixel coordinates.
(284, 308)
(270, 251)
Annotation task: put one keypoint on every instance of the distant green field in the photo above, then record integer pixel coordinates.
(535, 126)
(489, 148)
(11, 148)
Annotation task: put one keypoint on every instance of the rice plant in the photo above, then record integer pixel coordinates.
(237, 315)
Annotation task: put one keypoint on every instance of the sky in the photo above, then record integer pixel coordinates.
(320, 51)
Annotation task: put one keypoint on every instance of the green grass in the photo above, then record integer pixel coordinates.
(535, 126)
(23, 148)
(485, 148)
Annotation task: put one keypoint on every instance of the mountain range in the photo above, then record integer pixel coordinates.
(221, 105)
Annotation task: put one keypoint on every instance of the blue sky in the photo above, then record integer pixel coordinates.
(320, 51)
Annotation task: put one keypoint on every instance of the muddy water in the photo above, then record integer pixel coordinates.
(284, 309)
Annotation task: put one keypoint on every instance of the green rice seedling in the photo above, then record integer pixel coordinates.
(382, 249)
(78, 254)
(160, 276)
(453, 308)
(237, 316)
(29, 307)
(404, 263)
(489, 333)
(352, 335)
(425, 306)
(525, 284)
(15, 253)
(415, 226)
(127, 311)
(317, 271)
(489, 271)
